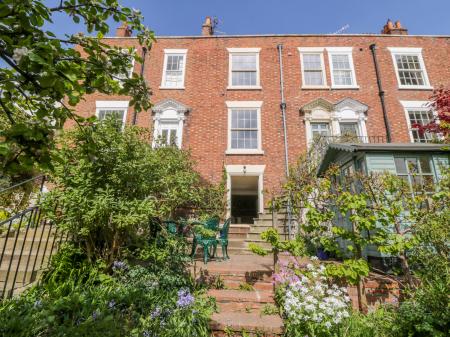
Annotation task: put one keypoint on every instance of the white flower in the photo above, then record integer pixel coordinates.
(327, 325)
(19, 53)
(314, 258)
(309, 266)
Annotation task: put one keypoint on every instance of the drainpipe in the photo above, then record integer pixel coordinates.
(144, 53)
(381, 93)
(283, 114)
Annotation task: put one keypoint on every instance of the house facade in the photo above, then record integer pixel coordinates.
(252, 104)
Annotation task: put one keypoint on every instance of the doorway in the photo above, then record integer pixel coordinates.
(244, 199)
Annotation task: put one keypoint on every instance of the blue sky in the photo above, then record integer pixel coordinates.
(184, 17)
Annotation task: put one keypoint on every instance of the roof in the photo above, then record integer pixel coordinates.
(280, 35)
(334, 148)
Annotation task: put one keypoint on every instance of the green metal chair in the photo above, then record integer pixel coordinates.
(209, 244)
(171, 226)
(223, 239)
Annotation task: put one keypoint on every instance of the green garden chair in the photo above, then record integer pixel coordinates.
(223, 239)
(209, 244)
(171, 226)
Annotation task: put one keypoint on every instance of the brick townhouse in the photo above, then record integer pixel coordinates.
(221, 97)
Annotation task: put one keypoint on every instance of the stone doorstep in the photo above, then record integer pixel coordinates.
(239, 296)
(271, 325)
(248, 307)
(240, 228)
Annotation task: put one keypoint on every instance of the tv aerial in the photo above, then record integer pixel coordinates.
(341, 30)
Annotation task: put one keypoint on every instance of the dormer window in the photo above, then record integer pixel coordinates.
(168, 123)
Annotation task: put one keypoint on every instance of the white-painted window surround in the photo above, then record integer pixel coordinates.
(114, 109)
(342, 68)
(418, 112)
(410, 68)
(174, 69)
(244, 127)
(168, 123)
(345, 118)
(313, 68)
(243, 67)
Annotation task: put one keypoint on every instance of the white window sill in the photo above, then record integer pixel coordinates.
(172, 88)
(258, 87)
(315, 87)
(345, 87)
(244, 151)
(415, 87)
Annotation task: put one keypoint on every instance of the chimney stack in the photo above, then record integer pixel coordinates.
(207, 28)
(394, 29)
(123, 31)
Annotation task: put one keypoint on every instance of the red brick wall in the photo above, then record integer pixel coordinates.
(205, 130)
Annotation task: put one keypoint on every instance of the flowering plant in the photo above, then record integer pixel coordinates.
(310, 304)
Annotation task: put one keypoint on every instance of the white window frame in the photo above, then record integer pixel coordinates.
(313, 50)
(411, 105)
(116, 105)
(237, 51)
(168, 52)
(414, 52)
(231, 105)
(340, 51)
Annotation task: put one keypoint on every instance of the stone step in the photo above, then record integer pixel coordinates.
(231, 283)
(241, 296)
(22, 275)
(27, 243)
(246, 323)
(26, 258)
(240, 228)
(223, 307)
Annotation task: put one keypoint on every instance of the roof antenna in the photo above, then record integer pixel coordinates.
(341, 30)
(215, 23)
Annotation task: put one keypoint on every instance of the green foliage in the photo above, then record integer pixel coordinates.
(110, 185)
(350, 270)
(246, 287)
(296, 247)
(48, 73)
(269, 309)
(77, 298)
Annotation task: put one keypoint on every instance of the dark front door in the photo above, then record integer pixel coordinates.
(244, 208)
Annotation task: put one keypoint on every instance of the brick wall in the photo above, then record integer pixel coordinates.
(205, 129)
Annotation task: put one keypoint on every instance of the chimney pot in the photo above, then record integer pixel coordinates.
(207, 28)
(124, 30)
(394, 29)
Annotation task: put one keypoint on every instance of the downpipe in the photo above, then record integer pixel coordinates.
(286, 144)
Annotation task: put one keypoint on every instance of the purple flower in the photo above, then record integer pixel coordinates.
(185, 298)
(146, 334)
(38, 304)
(119, 265)
(155, 313)
(111, 304)
(95, 315)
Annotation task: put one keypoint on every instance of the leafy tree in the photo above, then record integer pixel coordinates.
(47, 74)
(441, 105)
(110, 184)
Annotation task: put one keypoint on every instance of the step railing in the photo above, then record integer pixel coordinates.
(28, 240)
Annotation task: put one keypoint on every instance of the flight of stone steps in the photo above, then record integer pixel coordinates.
(22, 260)
(244, 296)
(241, 235)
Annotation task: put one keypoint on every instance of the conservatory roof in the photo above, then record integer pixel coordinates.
(334, 148)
